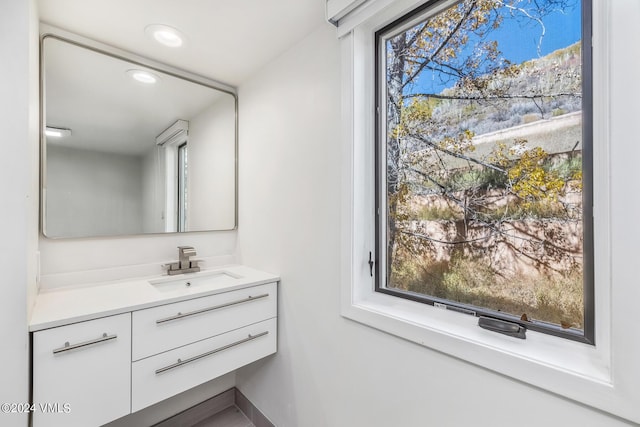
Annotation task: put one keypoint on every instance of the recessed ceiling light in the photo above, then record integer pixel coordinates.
(56, 132)
(165, 35)
(143, 76)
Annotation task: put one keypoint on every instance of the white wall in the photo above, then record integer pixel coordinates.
(18, 188)
(85, 260)
(76, 261)
(153, 191)
(329, 371)
(211, 170)
(92, 193)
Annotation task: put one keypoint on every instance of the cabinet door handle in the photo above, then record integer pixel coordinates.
(209, 353)
(68, 347)
(204, 310)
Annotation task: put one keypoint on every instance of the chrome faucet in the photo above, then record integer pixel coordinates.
(184, 255)
(185, 264)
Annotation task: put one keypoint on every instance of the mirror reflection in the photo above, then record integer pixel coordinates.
(129, 150)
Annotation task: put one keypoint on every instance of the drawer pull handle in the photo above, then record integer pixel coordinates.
(68, 346)
(209, 353)
(204, 310)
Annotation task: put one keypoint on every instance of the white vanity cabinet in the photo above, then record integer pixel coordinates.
(81, 373)
(102, 352)
(174, 344)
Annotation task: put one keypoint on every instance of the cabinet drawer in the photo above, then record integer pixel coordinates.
(170, 326)
(164, 375)
(81, 373)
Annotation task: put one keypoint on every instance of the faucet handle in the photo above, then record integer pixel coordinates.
(171, 266)
(187, 250)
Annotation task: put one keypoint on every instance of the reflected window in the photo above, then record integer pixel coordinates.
(182, 187)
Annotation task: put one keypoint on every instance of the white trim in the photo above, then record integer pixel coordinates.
(338, 9)
(170, 153)
(168, 145)
(602, 166)
(368, 11)
(601, 376)
(176, 133)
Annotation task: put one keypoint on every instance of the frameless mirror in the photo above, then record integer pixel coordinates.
(131, 149)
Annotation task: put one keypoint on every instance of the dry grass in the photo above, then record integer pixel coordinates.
(556, 299)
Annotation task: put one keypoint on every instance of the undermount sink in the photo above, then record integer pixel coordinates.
(194, 280)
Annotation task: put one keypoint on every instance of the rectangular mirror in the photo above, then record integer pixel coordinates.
(129, 148)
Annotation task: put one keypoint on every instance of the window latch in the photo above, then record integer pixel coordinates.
(371, 263)
(502, 327)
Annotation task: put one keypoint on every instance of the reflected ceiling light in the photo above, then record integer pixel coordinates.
(143, 76)
(165, 35)
(56, 132)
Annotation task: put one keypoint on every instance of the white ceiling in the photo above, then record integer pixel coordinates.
(227, 40)
(93, 95)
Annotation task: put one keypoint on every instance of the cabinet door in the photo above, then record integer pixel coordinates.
(82, 373)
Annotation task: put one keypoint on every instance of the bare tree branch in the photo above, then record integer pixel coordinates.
(442, 45)
(457, 155)
(444, 242)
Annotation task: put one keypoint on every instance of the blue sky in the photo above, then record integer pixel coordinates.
(562, 30)
(518, 41)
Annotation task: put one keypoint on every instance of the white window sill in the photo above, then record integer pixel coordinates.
(556, 364)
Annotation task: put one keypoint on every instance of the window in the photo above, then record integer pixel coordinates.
(182, 187)
(484, 185)
(599, 375)
(173, 152)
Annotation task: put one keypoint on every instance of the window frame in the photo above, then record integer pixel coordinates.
(602, 376)
(397, 26)
(170, 153)
(182, 180)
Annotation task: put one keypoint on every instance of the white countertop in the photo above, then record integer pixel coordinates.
(62, 306)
